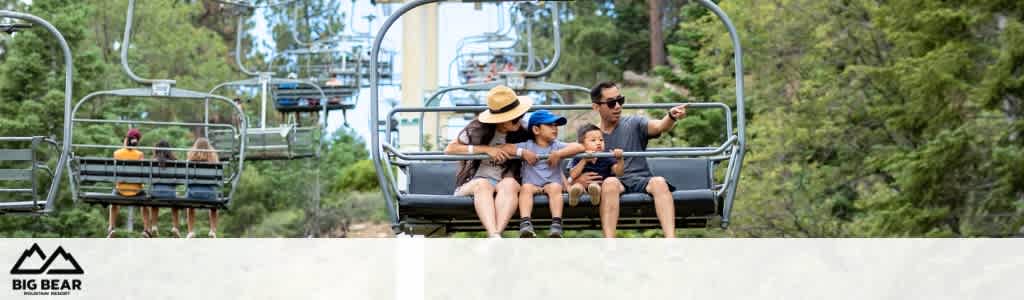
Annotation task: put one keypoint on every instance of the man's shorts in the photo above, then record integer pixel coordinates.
(638, 184)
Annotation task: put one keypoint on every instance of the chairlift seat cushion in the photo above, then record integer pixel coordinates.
(432, 184)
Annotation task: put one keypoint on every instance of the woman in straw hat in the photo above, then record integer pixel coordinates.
(494, 183)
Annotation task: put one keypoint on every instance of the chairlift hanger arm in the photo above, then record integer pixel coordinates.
(734, 175)
(69, 71)
(238, 49)
(126, 44)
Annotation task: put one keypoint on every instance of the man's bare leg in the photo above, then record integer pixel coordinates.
(611, 189)
(663, 205)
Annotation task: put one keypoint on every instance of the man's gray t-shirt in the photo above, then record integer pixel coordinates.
(541, 173)
(488, 169)
(630, 135)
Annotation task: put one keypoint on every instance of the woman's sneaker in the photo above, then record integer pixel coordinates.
(526, 230)
(574, 195)
(594, 190)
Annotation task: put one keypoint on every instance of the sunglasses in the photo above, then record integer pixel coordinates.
(614, 102)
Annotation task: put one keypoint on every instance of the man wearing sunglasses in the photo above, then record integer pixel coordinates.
(630, 134)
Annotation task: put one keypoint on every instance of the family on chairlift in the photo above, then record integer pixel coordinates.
(501, 185)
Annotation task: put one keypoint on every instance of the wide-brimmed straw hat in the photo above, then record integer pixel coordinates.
(504, 105)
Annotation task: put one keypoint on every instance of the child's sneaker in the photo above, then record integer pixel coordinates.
(595, 193)
(574, 195)
(556, 230)
(526, 230)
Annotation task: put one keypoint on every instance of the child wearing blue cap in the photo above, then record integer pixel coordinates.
(543, 177)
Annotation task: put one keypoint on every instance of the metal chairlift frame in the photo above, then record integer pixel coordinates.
(521, 81)
(161, 89)
(263, 79)
(734, 145)
(502, 34)
(34, 206)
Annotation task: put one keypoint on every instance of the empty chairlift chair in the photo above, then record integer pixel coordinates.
(24, 165)
(425, 205)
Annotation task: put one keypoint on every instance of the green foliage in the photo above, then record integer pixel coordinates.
(170, 40)
(867, 118)
(360, 176)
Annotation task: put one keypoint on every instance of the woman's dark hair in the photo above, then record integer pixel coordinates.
(163, 155)
(595, 93)
(480, 133)
(582, 132)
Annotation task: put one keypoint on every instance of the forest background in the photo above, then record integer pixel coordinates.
(867, 118)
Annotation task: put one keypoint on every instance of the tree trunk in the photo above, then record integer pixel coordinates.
(657, 41)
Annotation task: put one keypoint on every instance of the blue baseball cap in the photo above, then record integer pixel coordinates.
(542, 117)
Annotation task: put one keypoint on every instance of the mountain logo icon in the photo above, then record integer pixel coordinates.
(35, 253)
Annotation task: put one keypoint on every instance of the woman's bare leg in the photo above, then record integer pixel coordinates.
(506, 201)
(154, 219)
(213, 222)
(483, 202)
(144, 211)
(112, 219)
(190, 220)
(175, 222)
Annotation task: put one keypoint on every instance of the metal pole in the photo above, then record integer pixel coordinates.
(263, 104)
(529, 42)
(557, 37)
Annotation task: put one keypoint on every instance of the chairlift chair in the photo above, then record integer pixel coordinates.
(426, 205)
(92, 176)
(283, 142)
(334, 71)
(21, 165)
